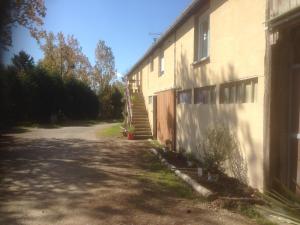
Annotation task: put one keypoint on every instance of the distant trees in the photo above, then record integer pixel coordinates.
(31, 93)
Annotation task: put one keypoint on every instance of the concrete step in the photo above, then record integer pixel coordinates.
(141, 129)
(146, 122)
(142, 137)
(138, 114)
(142, 133)
(140, 125)
(144, 118)
(138, 106)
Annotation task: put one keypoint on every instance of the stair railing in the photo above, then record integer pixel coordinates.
(128, 104)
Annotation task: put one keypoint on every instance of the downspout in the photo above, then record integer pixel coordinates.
(175, 90)
(267, 107)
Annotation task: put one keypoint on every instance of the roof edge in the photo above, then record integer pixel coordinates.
(184, 15)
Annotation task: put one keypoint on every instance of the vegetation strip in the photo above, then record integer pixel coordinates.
(195, 185)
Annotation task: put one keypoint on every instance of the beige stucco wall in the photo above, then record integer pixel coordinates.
(151, 81)
(237, 50)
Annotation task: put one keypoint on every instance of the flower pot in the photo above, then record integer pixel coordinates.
(130, 136)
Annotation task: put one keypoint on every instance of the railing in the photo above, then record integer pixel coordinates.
(280, 7)
(128, 104)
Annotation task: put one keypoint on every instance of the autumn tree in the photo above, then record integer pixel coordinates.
(64, 56)
(104, 70)
(26, 13)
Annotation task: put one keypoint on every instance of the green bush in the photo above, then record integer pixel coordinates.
(216, 147)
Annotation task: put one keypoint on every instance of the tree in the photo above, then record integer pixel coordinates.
(26, 13)
(104, 70)
(23, 63)
(64, 55)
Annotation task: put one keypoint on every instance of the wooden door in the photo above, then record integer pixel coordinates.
(166, 120)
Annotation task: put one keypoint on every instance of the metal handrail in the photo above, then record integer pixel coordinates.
(128, 103)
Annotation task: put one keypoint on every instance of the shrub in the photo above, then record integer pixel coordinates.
(216, 147)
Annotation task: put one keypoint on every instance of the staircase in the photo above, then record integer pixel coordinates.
(140, 120)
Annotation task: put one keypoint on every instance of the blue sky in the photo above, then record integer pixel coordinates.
(123, 24)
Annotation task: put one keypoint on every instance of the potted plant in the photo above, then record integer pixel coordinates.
(130, 133)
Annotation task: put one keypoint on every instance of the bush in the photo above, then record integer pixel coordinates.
(216, 147)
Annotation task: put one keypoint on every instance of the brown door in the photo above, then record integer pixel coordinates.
(154, 101)
(295, 131)
(166, 119)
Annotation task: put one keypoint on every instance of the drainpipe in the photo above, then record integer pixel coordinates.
(175, 90)
(267, 167)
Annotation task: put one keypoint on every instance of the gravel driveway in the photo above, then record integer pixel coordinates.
(69, 176)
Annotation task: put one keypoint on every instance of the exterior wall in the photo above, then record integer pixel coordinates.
(237, 50)
(152, 81)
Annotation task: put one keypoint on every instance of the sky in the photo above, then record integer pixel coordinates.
(123, 24)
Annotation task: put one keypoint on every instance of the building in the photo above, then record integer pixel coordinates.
(235, 62)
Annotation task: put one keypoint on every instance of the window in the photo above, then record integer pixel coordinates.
(151, 64)
(239, 92)
(205, 95)
(150, 99)
(161, 64)
(185, 96)
(203, 38)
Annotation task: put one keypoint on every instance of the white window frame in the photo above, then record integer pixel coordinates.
(150, 100)
(200, 47)
(161, 63)
(151, 64)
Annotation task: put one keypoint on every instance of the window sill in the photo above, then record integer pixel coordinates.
(201, 61)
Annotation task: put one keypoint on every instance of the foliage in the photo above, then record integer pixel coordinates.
(23, 62)
(35, 94)
(26, 13)
(111, 102)
(131, 129)
(216, 147)
(104, 70)
(63, 55)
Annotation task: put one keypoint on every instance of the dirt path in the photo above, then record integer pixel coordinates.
(68, 176)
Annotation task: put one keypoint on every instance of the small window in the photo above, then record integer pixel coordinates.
(151, 64)
(203, 38)
(205, 95)
(150, 99)
(185, 97)
(239, 92)
(254, 95)
(161, 64)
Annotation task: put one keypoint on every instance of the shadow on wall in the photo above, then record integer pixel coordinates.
(245, 120)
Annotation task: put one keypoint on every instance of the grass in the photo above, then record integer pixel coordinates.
(111, 131)
(250, 212)
(163, 180)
